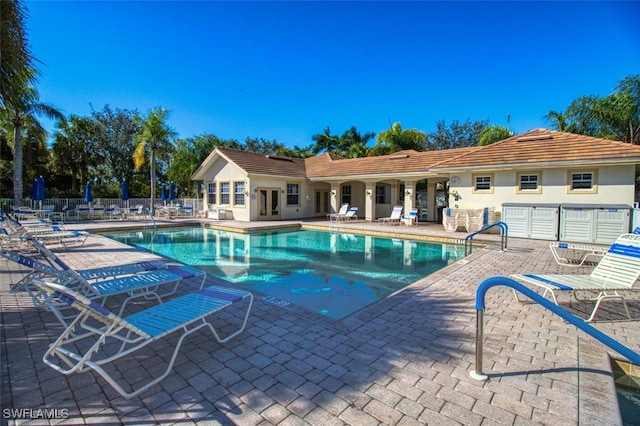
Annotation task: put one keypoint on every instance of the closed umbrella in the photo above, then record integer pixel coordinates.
(163, 193)
(172, 191)
(125, 192)
(88, 195)
(34, 191)
(40, 190)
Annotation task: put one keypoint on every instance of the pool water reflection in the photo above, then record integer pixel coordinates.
(334, 274)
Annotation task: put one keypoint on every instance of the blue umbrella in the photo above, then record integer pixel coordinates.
(125, 190)
(34, 189)
(40, 189)
(163, 192)
(172, 191)
(88, 196)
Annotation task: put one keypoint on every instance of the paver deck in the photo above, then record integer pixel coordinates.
(402, 361)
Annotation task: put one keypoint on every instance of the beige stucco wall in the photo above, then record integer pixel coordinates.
(615, 185)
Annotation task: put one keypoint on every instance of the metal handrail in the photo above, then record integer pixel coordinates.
(153, 221)
(504, 231)
(570, 318)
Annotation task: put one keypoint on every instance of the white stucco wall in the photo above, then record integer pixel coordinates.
(615, 185)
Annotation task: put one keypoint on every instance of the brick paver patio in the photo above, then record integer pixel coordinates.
(403, 361)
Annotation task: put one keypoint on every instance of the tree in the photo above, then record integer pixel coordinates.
(189, 153)
(397, 139)
(557, 120)
(16, 61)
(115, 142)
(154, 139)
(18, 112)
(492, 134)
(456, 135)
(325, 142)
(73, 145)
(616, 116)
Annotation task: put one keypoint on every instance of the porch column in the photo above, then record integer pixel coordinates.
(369, 201)
(409, 196)
(335, 198)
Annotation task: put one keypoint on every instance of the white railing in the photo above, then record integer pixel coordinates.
(70, 204)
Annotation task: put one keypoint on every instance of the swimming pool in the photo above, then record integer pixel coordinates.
(334, 274)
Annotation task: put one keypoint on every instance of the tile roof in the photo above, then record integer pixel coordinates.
(264, 164)
(545, 147)
(538, 147)
(399, 162)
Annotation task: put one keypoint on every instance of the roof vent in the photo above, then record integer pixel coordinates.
(398, 156)
(534, 138)
(275, 157)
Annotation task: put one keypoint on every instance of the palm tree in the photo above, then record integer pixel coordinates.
(16, 60)
(397, 139)
(154, 138)
(557, 120)
(19, 112)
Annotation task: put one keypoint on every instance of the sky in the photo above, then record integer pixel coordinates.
(286, 70)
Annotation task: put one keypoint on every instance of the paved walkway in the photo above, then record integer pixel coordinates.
(403, 361)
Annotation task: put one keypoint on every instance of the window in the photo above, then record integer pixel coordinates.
(346, 194)
(581, 181)
(211, 191)
(381, 192)
(482, 183)
(238, 193)
(293, 194)
(529, 182)
(224, 193)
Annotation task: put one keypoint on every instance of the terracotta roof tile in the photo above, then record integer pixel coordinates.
(264, 164)
(542, 146)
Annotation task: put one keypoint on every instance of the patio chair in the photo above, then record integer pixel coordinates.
(412, 218)
(57, 235)
(575, 254)
(351, 214)
(343, 211)
(114, 212)
(97, 338)
(394, 219)
(135, 285)
(613, 277)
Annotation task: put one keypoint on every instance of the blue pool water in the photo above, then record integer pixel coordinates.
(334, 274)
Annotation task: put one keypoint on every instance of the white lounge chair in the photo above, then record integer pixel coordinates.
(394, 219)
(351, 214)
(612, 278)
(343, 211)
(97, 338)
(576, 254)
(135, 285)
(411, 219)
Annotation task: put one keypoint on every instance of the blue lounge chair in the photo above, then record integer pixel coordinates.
(613, 277)
(134, 284)
(109, 337)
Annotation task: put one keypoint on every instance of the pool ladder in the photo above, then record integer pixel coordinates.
(504, 231)
(153, 221)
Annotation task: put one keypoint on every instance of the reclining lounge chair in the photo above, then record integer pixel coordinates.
(394, 219)
(134, 283)
(613, 277)
(97, 337)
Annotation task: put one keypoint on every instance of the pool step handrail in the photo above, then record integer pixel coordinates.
(504, 235)
(153, 221)
(564, 314)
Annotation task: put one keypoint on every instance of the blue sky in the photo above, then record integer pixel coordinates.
(286, 70)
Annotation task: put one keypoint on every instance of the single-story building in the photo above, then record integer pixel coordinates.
(539, 167)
